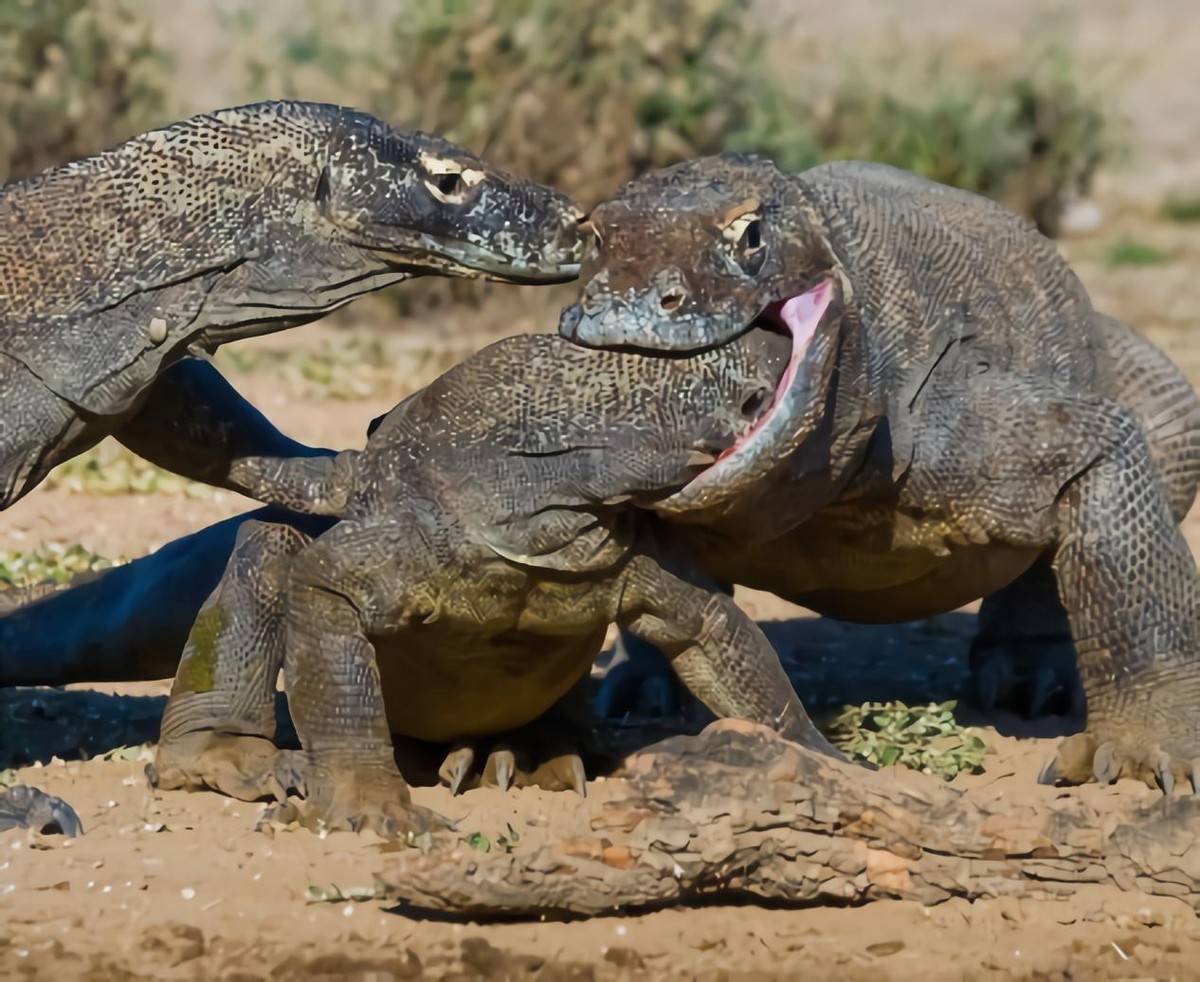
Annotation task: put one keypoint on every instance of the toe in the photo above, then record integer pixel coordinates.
(1074, 762)
(456, 768)
(563, 773)
(500, 769)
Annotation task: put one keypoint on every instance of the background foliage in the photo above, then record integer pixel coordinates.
(581, 95)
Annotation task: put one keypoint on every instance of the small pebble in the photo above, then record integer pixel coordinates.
(187, 893)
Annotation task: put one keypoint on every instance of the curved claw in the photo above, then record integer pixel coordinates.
(500, 768)
(564, 772)
(24, 807)
(1105, 766)
(1164, 775)
(578, 775)
(456, 767)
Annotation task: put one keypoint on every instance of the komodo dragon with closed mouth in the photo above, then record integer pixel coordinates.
(976, 429)
(485, 539)
(117, 269)
(237, 223)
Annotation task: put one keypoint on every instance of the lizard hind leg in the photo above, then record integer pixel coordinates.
(219, 724)
(1023, 658)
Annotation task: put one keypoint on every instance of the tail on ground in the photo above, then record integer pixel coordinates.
(124, 624)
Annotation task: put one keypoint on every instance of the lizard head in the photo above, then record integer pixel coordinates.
(425, 205)
(692, 255)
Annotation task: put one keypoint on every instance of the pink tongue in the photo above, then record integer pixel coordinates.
(802, 314)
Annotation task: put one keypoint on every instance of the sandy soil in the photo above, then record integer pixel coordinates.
(174, 885)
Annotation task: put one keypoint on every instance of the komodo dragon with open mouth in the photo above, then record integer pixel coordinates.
(976, 429)
(117, 269)
(486, 537)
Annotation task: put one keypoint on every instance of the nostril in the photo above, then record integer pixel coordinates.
(671, 301)
(753, 406)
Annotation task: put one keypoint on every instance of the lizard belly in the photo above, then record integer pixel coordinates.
(861, 575)
(442, 684)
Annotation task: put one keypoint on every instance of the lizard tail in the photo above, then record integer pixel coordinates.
(124, 623)
(1148, 383)
(19, 597)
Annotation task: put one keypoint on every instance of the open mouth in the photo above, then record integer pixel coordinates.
(798, 317)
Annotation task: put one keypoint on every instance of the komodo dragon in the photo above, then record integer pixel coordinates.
(486, 538)
(976, 429)
(117, 269)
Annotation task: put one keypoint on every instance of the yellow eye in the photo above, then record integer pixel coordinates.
(448, 180)
(746, 232)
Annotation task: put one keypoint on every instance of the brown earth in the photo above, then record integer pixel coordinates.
(174, 885)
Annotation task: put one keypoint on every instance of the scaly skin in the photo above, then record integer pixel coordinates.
(985, 432)
(486, 537)
(116, 268)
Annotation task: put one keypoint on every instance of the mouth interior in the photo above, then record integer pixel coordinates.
(798, 318)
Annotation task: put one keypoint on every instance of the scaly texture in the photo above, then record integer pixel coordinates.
(226, 225)
(484, 541)
(964, 425)
(116, 268)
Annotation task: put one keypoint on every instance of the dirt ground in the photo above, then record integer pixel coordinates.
(175, 885)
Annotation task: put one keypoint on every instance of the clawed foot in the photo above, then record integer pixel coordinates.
(249, 768)
(1086, 756)
(375, 798)
(25, 807)
(505, 768)
(1030, 678)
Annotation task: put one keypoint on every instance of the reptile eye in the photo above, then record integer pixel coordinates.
(744, 239)
(448, 180)
(752, 237)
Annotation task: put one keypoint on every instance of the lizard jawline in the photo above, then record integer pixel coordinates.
(799, 316)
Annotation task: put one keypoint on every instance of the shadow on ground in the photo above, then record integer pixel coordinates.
(830, 663)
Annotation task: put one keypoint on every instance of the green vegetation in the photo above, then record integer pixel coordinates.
(925, 738)
(1130, 252)
(642, 84)
(108, 468)
(76, 76)
(1181, 208)
(55, 563)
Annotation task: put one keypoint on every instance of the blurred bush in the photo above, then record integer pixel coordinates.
(583, 95)
(587, 94)
(76, 76)
(1030, 133)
